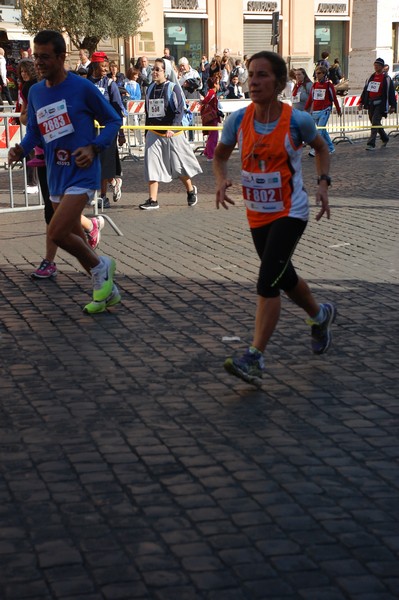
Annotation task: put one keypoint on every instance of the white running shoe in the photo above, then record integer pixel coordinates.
(103, 278)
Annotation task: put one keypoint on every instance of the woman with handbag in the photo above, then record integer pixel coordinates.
(211, 115)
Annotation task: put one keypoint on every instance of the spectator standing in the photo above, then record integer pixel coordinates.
(302, 88)
(115, 74)
(225, 74)
(211, 113)
(203, 70)
(189, 79)
(323, 62)
(131, 85)
(167, 55)
(71, 156)
(241, 71)
(168, 154)
(287, 93)
(215, 67)
(245, 86)
(84, 60)
(111, 170)
(321, 98)
(334, 72)
(270, 135)
(3, 79)
(145, 78)
(378, 98)
(227, 58)
(234, 90)
(27, 77)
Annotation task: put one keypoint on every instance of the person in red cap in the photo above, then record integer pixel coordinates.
(378, 97)
(111, 169)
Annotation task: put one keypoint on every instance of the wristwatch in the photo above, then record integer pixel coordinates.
(324, 178)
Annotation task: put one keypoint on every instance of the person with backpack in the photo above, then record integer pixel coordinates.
(319, 104)
(323, 62)
(335, 73)
(168, 154)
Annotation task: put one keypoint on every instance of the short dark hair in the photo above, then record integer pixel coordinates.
(131, 72)
(49, 36)
(325, 54)
(278, 64)
(212, 81)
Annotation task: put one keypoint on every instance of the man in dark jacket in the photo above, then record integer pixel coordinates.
(378, 97)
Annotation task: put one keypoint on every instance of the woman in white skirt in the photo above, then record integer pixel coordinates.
(168, 154)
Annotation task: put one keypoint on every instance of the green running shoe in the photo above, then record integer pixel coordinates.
(96, 307)
(103, 278)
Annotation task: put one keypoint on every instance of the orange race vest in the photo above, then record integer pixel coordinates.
(271, 175)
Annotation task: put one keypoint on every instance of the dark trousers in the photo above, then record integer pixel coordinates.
(7, 95)
(375, 115)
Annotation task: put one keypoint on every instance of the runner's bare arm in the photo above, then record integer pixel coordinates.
(220, 160)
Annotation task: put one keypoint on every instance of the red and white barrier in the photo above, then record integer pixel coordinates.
(135, 107)
(351, 101)
(13, 136)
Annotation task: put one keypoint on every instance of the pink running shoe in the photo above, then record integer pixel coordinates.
(46, 270)
(94, 236)
(36, 162)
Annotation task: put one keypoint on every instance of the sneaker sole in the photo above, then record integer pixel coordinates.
(233, 370)
(148, 207)
(36, 276)
(193, 203)
(329, 339)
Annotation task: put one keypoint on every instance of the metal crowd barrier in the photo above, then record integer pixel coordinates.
(352, 125)
(11, 134)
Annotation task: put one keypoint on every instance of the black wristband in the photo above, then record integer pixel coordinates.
(326, 178)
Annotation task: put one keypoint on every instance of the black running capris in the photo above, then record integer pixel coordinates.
(275, 244)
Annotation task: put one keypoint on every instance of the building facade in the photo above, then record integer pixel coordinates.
(354, 31)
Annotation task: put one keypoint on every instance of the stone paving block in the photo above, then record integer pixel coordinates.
(182, 592)
(359, 584)
(322, 593)
(124, 591)
(174, 452)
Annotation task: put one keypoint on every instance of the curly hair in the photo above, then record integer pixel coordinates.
(28, 65)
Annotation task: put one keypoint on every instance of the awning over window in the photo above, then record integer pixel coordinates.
(14, 32)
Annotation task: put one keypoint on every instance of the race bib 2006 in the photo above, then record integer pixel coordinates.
(54, 121)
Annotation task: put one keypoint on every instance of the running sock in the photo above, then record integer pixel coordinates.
(254, 350)
(320, 317)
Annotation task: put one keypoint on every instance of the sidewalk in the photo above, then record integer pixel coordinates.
(134, 467)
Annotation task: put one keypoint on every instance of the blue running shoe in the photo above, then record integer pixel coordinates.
(249, 367)
(321, 332)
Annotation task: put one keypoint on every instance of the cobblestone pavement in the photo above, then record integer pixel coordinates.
(134, 467)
